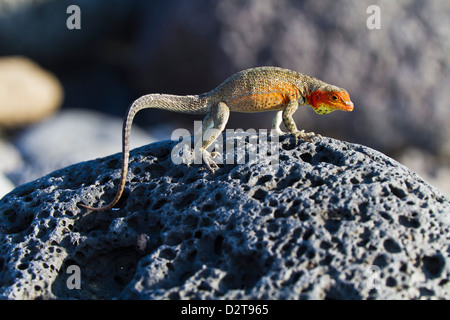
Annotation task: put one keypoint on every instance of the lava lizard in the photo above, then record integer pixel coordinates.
(252, 90)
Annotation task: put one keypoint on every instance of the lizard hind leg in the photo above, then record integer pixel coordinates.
(213, 125)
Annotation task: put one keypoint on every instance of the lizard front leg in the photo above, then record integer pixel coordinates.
(214, 123)
(290, 123)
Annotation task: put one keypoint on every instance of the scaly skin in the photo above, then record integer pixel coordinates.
(252, 90)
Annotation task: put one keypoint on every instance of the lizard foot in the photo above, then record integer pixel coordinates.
(307, 136)
(208, 158)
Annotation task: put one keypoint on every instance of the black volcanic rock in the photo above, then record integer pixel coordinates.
(333, 220)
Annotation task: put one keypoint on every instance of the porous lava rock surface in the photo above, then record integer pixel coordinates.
(334, 220)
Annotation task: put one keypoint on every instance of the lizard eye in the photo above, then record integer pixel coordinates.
(334, 98)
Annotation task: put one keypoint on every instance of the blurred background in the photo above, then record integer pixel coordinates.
(64, 92)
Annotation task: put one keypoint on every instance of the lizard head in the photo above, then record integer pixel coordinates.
(330, 98)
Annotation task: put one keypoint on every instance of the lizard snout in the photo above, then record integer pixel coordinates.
(348, 106)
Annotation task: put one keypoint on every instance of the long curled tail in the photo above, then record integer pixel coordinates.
(181, 104)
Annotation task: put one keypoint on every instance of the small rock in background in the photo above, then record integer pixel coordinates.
(71, 136)
(28, 93)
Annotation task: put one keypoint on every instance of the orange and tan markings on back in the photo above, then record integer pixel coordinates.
(271, 97)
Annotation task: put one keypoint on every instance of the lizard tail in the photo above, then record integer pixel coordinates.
(181, 104)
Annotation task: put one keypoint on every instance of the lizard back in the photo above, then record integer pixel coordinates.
(262, 89)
